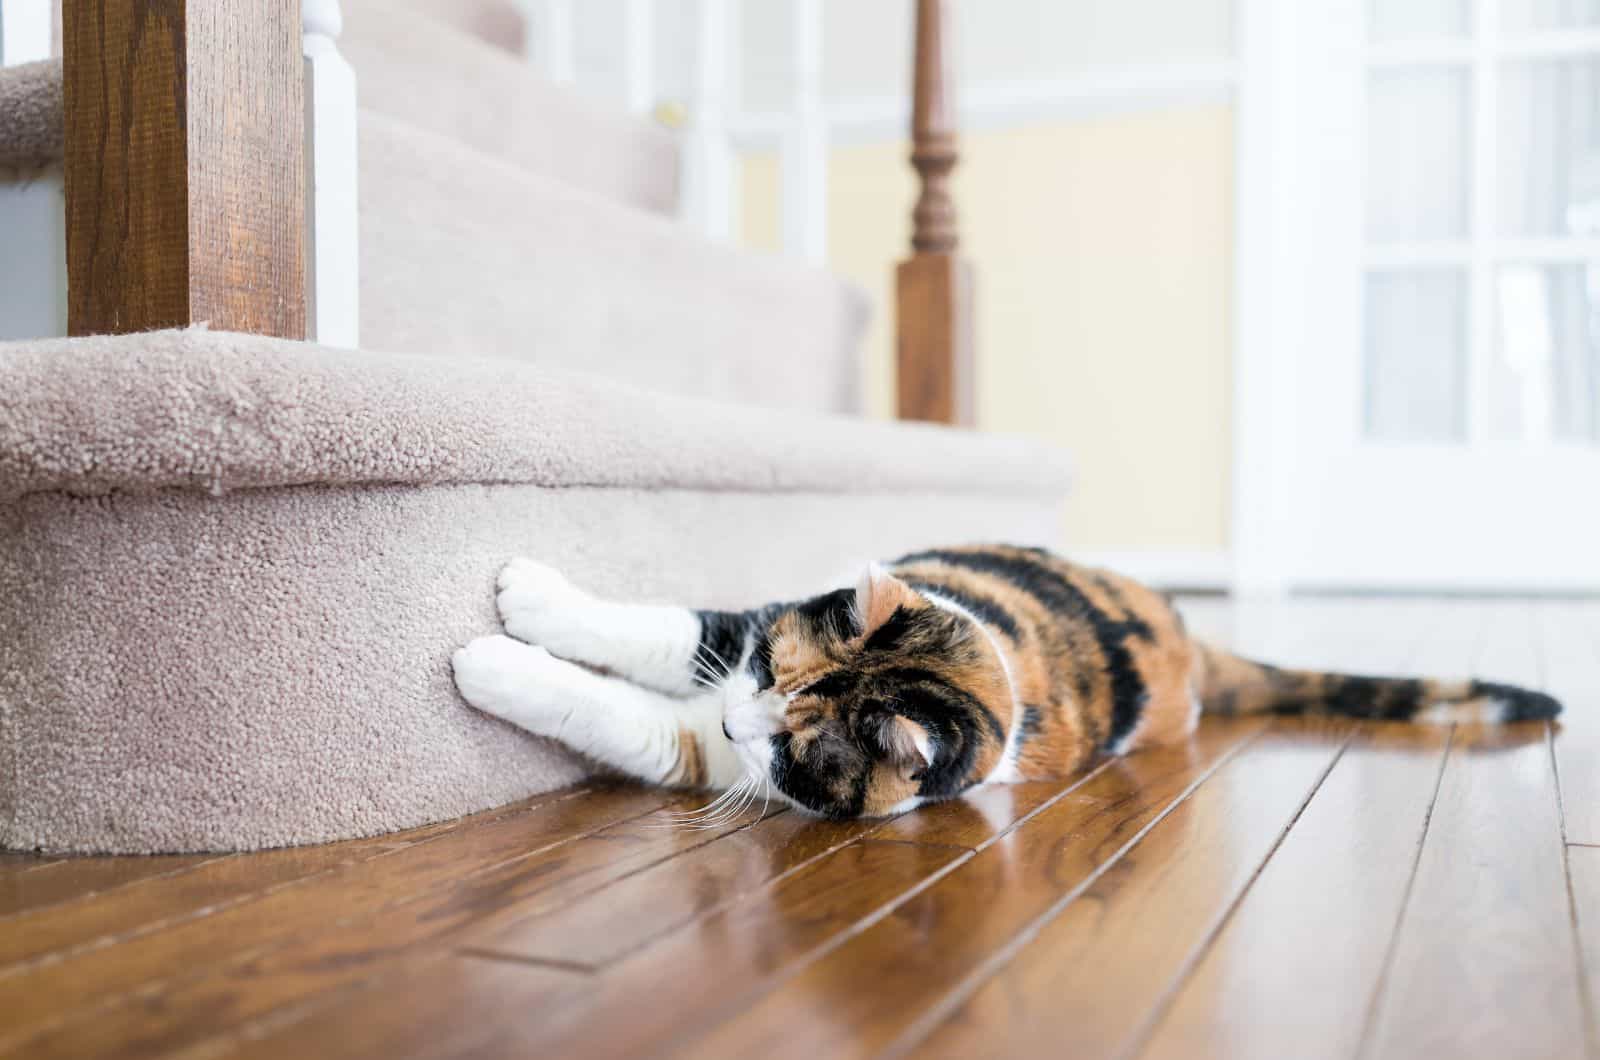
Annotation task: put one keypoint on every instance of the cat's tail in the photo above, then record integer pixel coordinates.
(1230, 685)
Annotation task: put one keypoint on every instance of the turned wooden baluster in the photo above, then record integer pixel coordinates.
(933, 288)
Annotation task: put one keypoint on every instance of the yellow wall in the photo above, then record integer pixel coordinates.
(1102, 249)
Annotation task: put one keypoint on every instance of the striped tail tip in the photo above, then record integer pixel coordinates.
(1516, 704)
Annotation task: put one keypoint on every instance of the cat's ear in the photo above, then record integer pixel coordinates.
(879, 595)
(906, 742)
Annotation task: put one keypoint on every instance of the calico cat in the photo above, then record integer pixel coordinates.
(942, 671)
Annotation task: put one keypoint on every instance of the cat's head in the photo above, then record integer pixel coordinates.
(856, 701)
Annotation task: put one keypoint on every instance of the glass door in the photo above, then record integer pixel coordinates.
(1449, 382)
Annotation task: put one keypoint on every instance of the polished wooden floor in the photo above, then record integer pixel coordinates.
(1278, 888)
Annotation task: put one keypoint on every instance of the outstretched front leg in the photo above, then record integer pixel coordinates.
(654, 737)
(675, 650)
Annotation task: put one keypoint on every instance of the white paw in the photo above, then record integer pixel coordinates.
(538, 605)
(510, 680)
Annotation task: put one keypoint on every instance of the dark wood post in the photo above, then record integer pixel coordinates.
(183, 166)
(933, 288)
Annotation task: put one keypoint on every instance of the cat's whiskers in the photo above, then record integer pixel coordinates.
(712, 676)
(724, 808)
(679, 818)
(747, 788)
(711, 807)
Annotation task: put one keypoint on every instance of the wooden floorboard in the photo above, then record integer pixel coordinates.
(1485, 961)
(28, 885)
(1570, 642)
(1294, 970)
(1087, 981)
(352, 950)
(1277, 887)
(691, 978)
(57, 992)
(879, 983)
(1584, 865)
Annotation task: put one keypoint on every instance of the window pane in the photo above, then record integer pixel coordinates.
(1547, 348)
(1417, 154)
(1416, 355)
(1416, 19)
(1550, 148)
(1520, 15)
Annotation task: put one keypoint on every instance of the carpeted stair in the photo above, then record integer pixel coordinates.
(232, 568)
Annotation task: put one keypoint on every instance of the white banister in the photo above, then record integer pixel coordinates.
(550, 44)
(33, 210)
(805, 142)
(333, 249)
(638, 55)
(24, 31)
(707, 186)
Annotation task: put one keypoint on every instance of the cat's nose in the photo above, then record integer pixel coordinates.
(726, 733)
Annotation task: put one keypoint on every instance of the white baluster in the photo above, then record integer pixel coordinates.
(333, 249)
(551, 39)
(707, 187)
(638, 55)
(24, 31)
(805, 141)
(33, 211)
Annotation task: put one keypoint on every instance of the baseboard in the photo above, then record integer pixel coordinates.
(1171, 570)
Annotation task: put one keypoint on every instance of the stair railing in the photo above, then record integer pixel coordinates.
(933, 288)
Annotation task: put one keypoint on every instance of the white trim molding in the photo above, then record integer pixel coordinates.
(996, 105)
(25, 31)
(1267, 315)
(333, 247)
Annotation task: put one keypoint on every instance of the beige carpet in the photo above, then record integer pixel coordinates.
(232, 569)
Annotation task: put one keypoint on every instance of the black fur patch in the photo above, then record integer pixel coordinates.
(1522, 704)
(1029, 725)
(1128, 694)
(985, 610)
(835, 787)
(892, 631)
(831, 614)
(953, 698)
(1376, 697)
(835, 684)
(723, 635)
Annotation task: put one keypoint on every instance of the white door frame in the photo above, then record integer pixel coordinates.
(1267, 311)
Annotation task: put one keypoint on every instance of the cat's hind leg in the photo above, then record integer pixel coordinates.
(673, 649)
(654, 737)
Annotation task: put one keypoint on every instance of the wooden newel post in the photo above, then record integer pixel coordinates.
(933, 288)
(183, 170)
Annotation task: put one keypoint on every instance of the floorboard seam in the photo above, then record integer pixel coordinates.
(1163, 1002)
(373, 854)
(1585, 989)
(109, 892)
(920, 843)
(776, 979)
(150, 989)
(1380, 986)
(577, 967)
(929, 1022)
